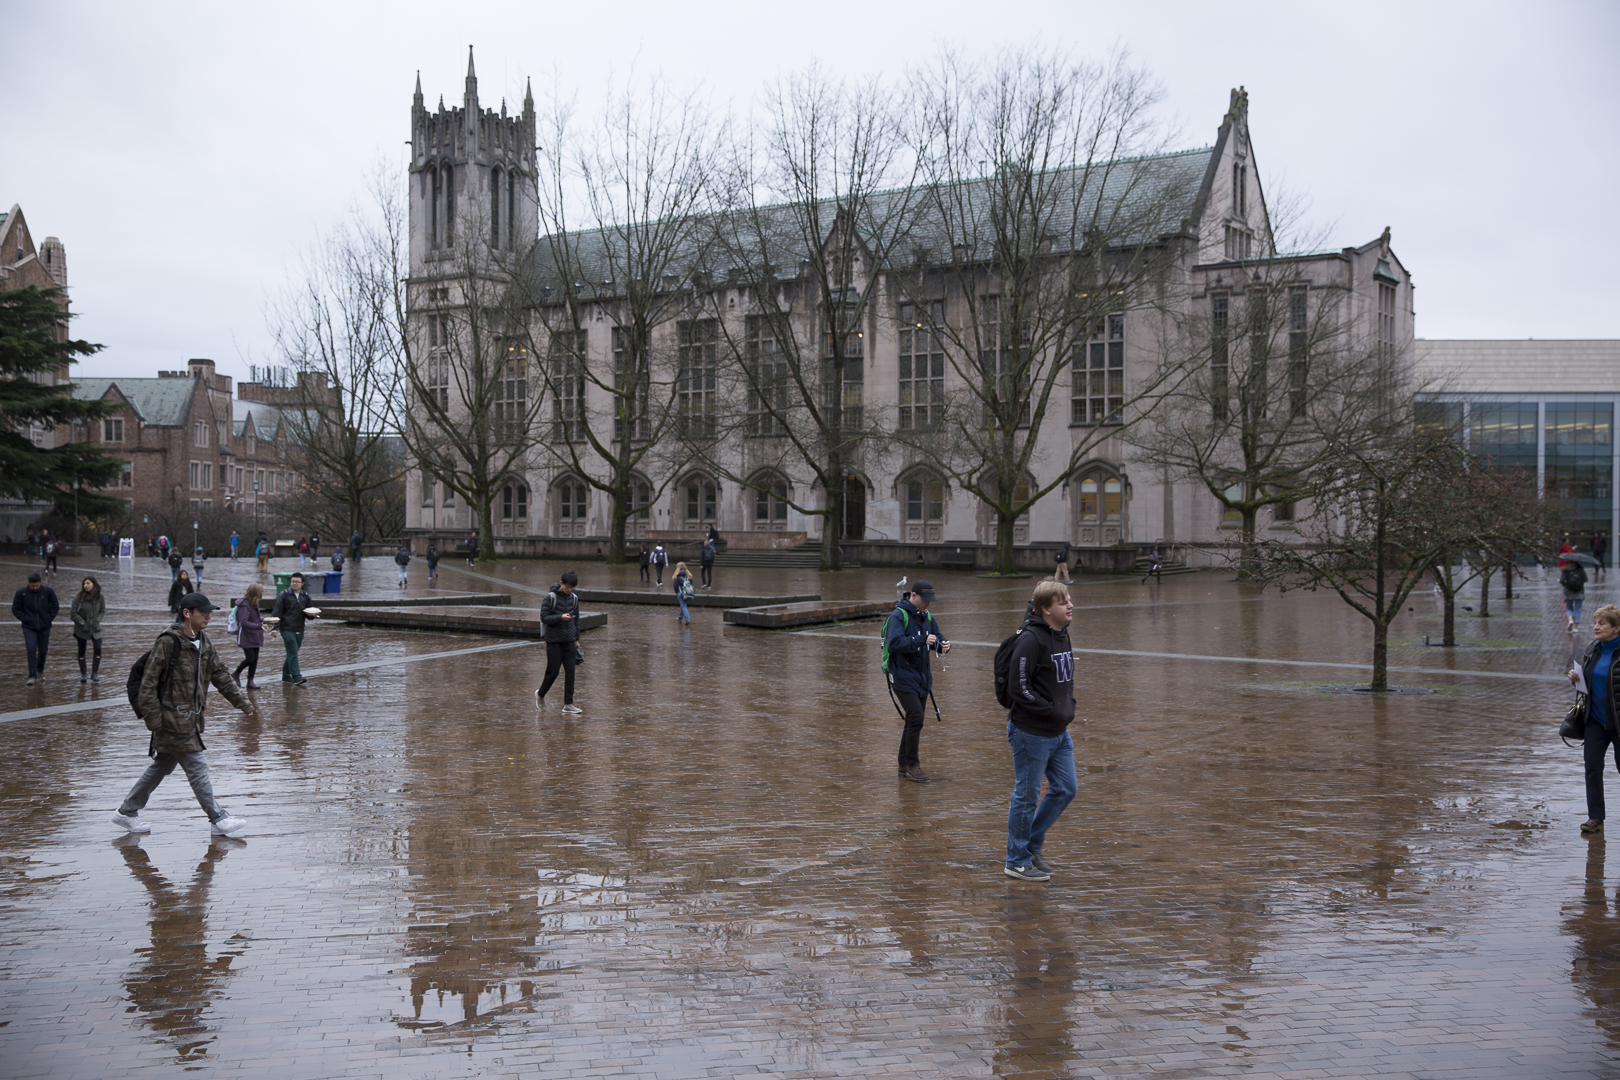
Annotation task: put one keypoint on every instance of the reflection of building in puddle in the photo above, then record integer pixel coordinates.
(172, 987)
(1594, 924)
(474, 969)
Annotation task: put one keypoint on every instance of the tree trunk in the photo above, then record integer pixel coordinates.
(1507, 571)
(621, 502)
(1485, 576)
(486, 530)
(1380, 672)
(1002, 562)
(1448, 604)
(832, 520)
(1248, 559)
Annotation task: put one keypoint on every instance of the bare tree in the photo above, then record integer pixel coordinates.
(1046, 210)
(1280, 379)
(336, 327)
(464, 358)
(821, 205)
(1378, 523)
(623, 216)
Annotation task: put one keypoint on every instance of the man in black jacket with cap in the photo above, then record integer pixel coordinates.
(1042, 676)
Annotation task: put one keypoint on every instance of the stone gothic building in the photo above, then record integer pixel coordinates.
(471, 182)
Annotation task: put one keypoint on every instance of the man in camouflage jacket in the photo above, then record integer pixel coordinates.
(172, 697)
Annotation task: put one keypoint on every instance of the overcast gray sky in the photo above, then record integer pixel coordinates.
(186, 154)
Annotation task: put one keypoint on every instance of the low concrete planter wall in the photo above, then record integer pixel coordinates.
(1035, 558)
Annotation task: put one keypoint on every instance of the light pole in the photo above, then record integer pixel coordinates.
(193, 535)
(75, 515)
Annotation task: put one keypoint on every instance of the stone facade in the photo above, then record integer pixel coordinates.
(904, 501)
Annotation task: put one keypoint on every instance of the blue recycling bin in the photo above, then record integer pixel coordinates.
(332, 581)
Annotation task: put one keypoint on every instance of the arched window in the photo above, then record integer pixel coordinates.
(770, 503)
(495, 208)
(514, 502)
(436, 192)
(925, 499)
(854, 508)
(700, 494)
(573, 498)
(1100, 500)
(449, 203)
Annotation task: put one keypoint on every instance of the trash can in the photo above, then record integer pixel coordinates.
(283, 581)
(333, 582)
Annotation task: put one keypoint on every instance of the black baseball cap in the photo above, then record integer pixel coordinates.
(197, 601)
(924, 589)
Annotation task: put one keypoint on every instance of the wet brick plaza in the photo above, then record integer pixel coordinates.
(714, 871)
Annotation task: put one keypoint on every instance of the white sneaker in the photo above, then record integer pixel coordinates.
(227, 826)
(572, 709)
(132, 823)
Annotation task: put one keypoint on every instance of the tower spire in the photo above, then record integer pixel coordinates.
(471, 101)
(417, 100)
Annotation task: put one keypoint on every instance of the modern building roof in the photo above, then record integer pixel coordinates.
(158, 402)
(1459, 368)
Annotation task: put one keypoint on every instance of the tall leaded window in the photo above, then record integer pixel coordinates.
(767, 379)
(698, 353)
(1101, 499)
(1299, 347)
(495, 208)
(925, 499)
(770, 502)
(843, 378)
(1099, 375)
(572, 500)
(435, 187)
(1386, 321)
(449, 173)
(511, 210)
(633, 381)
(511, 389)
(922, 366)
(1219, 372)
(700, 500)
(1004, 359)
(567, 374)
(640, 501)
(514, 502)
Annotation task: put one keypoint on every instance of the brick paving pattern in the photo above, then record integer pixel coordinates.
(714, 871)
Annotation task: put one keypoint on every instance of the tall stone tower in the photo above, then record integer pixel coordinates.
(472, 177)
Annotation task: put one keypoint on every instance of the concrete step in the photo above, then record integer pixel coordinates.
(1166, 569)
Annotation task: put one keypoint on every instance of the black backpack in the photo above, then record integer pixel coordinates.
(1573, 577)
(137, 673)
(1003, 669)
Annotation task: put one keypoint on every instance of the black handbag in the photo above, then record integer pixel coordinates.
(1574, 725)
(579, 658)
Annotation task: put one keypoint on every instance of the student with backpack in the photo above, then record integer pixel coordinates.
(660, 559)
(1573, 581)
(682, 582)
(706, 563)
(402, 559)
(559, 612)
(249, 630)
(1034, 673)
(908, 637)
(198, 557)
(433, 563)
(645, 562)
(1061, 571)
(303, 553)
(168, 687)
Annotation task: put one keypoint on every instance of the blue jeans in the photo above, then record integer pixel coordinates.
(1035, 756)
(162, 765)
(1572, 607)
(292, 643)
(36, 642)
(687, 615)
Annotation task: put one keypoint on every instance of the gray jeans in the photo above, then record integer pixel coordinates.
(196, 771)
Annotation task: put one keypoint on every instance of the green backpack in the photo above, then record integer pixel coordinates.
(905, 625)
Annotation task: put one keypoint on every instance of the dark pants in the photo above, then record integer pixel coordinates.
(289, 666)
(96, 656)
(559, 654)
(1598, 740)
(646, 572)
(36, 642)
(660, 568)
(708, 574)
(913, 706)
(250, 660)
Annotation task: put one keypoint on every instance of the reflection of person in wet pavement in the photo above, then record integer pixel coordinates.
(1602, 680)
(1595, 930)
(175, 981)
(1038, 1037)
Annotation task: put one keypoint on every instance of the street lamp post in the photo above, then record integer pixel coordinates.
(75, 516)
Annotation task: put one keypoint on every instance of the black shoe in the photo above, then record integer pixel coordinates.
(1028, 872)
(299, 682)
(915, 774)
(1590, 827)
(1039, 863)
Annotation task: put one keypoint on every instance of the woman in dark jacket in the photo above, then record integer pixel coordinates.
(88, 608)
(177, 591)
(1601, 673)
(249, 633)
(683, 584)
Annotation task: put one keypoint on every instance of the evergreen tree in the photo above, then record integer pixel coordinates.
(32, 343)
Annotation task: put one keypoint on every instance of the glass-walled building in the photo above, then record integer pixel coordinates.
(1546, 407)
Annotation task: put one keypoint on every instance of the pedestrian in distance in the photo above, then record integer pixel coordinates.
(660, 559)
(706, 563)
(644, 560)
(178, 590)
(50, 553)
(32, 540)
(236, 539)
(163, 547)
(171, 700)
(472, 549)
(433, 563)
(908, 637)
(1572, 580)
(314, 546)
(249, 633)
(1042, 692)
(337, 558)
(291, 610)
(303, 552)
(35, 606)
(1060, 571)
(682, 582)
(1600, 674)
(1564, 549)
(354, 545)
(106, 539)
(1600, 548)
(402, 559)
(261, 551)
(1155, 566)
(175, 562)
(559, 613)
(151, 548)
(198, 557)
(714, 533)
(87, 611)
